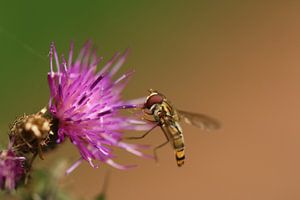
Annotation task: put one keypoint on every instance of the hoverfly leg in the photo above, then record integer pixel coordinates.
(142, 136)
(156, 148)
(115, 108)
(149, 120)
(159, 146)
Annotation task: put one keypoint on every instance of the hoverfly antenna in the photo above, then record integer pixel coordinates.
(150, 90)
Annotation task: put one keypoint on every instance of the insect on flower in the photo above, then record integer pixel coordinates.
(167, 117)
(86, 104)
(31, 133)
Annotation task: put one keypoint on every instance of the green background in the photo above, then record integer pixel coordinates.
(155, 31)
(235, 60)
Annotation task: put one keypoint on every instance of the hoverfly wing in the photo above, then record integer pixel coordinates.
(199, 120)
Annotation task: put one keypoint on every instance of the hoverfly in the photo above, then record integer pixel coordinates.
(167, 117)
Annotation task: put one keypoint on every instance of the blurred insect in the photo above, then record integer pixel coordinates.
(167, 117)
(30, 133)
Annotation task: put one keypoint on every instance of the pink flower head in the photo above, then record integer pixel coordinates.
(87, 105)
(11, 169)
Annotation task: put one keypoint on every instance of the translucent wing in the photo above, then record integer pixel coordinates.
(199, 120)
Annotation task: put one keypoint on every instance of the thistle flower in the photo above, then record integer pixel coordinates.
(11, 169)
(87, 105)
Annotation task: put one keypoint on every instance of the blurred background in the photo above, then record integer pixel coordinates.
(238, 61)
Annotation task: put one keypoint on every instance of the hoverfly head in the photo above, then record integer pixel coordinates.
(152, 100)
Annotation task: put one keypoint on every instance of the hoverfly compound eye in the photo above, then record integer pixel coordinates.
(152, 100)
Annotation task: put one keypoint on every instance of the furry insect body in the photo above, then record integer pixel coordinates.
(30, 133)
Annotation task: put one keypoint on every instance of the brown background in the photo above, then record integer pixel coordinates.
(238, 62)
